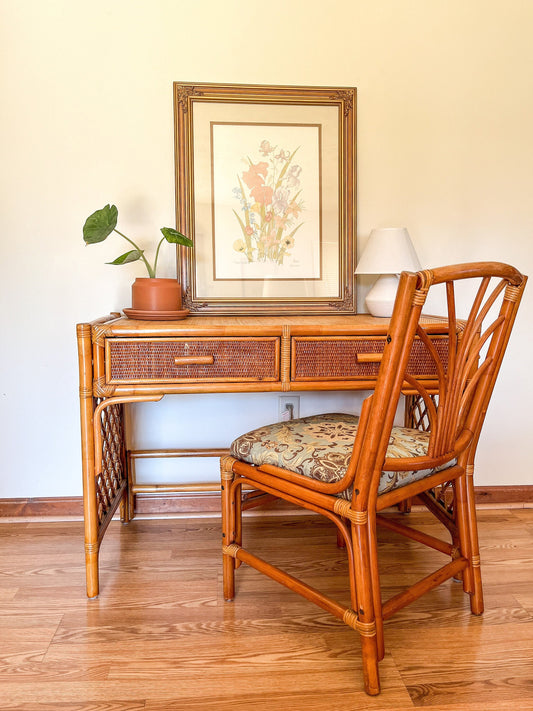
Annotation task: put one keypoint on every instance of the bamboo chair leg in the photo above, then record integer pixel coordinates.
(405, 506)
(366, 623)
(228, 526)
(462, 528)
(459, 576)
(238, 520)
(341, 543)
(476, 597)
(463, 524)
(376, 590)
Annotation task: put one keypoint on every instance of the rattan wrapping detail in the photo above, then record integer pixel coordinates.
(512, 293)
(244, 359)
(420, 296)
(344, 508)
(319, 359)
(232, 549)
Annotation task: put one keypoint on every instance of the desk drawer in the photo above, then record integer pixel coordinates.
(174, 360)
(334, 358)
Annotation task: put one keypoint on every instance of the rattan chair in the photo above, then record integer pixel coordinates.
(350, 469)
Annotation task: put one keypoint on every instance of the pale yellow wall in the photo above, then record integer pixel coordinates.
(445, 148)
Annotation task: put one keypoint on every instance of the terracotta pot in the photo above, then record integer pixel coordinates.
(156, 294)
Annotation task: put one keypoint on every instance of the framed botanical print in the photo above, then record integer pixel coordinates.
(265, 188)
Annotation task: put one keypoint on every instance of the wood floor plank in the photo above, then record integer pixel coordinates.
(7, 593)
(466, 664)
(78, 706)
(31, 672)
(525, 599)
(139, 625)
(160, 636)
(193, 685)
(18, 643)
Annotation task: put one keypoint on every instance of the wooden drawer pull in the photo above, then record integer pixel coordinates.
(194, 360)
(368, 357)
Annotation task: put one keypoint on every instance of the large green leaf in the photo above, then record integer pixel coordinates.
(100, 224)
(132, 256)
(176, 237)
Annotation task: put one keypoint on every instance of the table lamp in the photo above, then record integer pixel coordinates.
(388, 252)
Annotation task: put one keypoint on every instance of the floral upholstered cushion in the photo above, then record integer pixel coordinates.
(320, 447)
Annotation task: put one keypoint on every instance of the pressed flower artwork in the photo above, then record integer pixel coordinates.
(271, 205)
(266, 201)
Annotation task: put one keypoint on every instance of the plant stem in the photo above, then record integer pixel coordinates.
(151, 272)
(157, 254)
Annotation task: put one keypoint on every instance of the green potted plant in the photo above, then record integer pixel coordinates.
(151, 296)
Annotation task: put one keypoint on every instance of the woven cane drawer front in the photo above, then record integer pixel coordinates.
(180, 359)
(334, 358)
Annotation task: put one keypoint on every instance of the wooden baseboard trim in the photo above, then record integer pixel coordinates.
(504, 494)
(179, 503)
(50, 507)
(209, 503)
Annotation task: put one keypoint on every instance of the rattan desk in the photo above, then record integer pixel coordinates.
(122, 361)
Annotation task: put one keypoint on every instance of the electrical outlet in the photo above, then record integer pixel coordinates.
(288, 407)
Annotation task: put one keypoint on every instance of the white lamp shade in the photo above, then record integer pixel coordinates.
(389, 250)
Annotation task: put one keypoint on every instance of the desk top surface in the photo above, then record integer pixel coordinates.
(117, 325)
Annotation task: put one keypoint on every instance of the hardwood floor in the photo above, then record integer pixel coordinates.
(161, 638)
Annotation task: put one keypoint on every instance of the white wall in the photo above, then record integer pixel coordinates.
(445, 147)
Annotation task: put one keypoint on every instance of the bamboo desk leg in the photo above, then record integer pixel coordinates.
(87, 447)
(104, 465)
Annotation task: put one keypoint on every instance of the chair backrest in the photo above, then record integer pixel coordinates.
(466, 371)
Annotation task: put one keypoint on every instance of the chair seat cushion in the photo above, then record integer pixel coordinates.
(320, 447)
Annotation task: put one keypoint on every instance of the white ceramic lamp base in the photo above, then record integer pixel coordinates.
(380, 299)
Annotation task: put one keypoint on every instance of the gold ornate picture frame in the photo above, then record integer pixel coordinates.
(265, 187)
